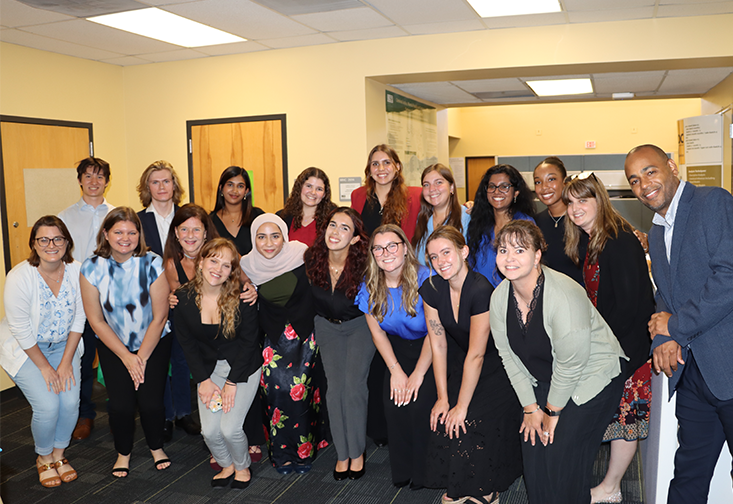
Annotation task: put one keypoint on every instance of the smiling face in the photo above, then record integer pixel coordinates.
(516, 262)
(51, 253)
(382, 169)
(436, 189)
(583, 212)
(123, 239)
(92, 184)
(445, 258)
(312, 192)
(191, 234)
(160, 185)
(498, 199)
(653, 179)
(216, 268)
(235, 190)
(340, 232)
(548, 184)
(269, 240)
(389, 262)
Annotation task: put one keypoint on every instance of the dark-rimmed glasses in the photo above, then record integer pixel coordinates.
(391, 247)
(501, 187)
(44, 241)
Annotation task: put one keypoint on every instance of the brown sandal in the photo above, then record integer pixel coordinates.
(66, 476)
(51, 481)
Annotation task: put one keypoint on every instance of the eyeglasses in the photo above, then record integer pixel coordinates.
(581, 176)
(391, 247)
(501, 187)
(44, 242)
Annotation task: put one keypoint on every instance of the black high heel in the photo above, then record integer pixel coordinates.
(355, 475)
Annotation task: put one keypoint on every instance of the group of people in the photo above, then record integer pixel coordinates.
(478, 342)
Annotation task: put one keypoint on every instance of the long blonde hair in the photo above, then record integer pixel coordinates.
(228, 300)
(376, 283)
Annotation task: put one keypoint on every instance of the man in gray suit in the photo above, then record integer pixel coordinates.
(691, 246)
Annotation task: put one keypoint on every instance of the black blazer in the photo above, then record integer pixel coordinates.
(150, 230)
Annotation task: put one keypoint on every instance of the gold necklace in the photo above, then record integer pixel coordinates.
(58, 280)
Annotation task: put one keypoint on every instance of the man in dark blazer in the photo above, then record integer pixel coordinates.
(691, 246)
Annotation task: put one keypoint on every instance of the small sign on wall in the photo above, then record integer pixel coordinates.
(346, 186)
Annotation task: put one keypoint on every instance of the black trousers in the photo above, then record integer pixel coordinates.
(409, 426)
(561, 472)
(148, 397)
(86, 405)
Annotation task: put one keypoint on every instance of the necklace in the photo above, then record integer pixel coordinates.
(57, 280)
(556, 221)
(335, 271)
(234, 219)
(189, 257)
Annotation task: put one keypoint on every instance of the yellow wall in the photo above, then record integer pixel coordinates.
(713, 102)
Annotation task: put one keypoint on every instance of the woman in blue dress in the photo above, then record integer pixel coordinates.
(394, 312)
(502, 196)
(438, 204)
(125, 295)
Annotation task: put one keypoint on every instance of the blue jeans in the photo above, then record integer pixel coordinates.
(54, 415)
(177, 394)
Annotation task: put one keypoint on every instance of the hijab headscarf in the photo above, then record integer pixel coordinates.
(257, 267)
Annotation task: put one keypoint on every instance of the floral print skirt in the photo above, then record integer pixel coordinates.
(293, 385)
(631, 420)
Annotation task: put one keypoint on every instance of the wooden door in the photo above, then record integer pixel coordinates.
(257, 144)
(39, 159)
(475, 169)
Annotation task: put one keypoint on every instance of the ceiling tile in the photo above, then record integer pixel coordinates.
(414, 12)
(596, 5)
(694, 81)
(630, 82)
(449, 27)
(178, 55)
(98, 36)
(603, 16)
(696, 9)
(15, 14)
(303, 40)
(293, 7)
(126, 61)
(552, 18)
(26, 39)
(491, 85)
(157, 3)
(240, 17)
(344, 20)
(235, 48)
(438, 92)
(371, 33)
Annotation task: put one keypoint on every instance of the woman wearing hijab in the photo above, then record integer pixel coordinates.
(292, 372)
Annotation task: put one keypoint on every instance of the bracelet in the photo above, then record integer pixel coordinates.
(552, 413)
(533, 411)
(393, 365)
(230, 383)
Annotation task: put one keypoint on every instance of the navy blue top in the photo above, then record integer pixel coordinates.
(398, 322)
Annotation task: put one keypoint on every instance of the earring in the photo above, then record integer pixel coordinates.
(515, 198)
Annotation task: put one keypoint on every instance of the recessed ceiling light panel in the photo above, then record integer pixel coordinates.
(561, 87)
(162, 25)
(499, 8)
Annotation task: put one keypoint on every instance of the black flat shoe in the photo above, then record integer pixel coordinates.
(401, 484)
(381, 443)
(188, 424)
(223, 482)
(240, 485)
(167, 431)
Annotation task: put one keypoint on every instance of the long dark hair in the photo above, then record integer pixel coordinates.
(230, 173)
(294, 206)
(426, 209)
(395, 208)
(316, 257)
(482, 214)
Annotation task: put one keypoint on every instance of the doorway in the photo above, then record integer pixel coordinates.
(475, 169)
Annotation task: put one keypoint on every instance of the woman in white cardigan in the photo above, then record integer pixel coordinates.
(40, 345)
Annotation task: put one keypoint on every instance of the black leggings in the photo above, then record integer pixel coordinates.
(148, 397)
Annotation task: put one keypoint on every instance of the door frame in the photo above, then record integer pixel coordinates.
(3, 195)
(228, 120)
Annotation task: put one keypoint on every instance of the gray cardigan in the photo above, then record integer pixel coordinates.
(585, 353)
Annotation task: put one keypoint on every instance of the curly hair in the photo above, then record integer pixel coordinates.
(120, 214)
(607, 222)
(173, 248)
(226, 175)
(316, 257)
(294, 205)
(228, 300)
(395, 208)
(426, 209)
(482, 214)
(50, 221)
(376, 283)
(143, 188)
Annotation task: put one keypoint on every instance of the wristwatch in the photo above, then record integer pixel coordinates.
(550, 412)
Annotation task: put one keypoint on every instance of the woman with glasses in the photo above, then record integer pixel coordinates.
(394, 311)
(307, 208)
(617, 282)
(40, 343)
(439, 206)
(502, 196)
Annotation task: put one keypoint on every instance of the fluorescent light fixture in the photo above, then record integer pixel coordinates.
(561, 87)
(162, 25)
(622, 96)
(498, 8)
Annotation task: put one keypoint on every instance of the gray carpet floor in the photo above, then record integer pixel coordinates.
(187, 481)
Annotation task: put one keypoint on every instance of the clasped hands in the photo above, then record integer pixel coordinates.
(668, 355)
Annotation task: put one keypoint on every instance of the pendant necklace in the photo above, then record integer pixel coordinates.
(556, 221)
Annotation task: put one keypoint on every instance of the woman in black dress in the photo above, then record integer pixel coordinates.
(233, 213)
(476, 450)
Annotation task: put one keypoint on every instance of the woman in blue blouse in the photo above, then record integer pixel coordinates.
(394, 313)
(125, 295)
(501, 197)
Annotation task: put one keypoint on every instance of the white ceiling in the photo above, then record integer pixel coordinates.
(276, 24)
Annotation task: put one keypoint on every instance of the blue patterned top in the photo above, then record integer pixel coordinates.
(57, 313)
(124, 294)
(398, 322)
